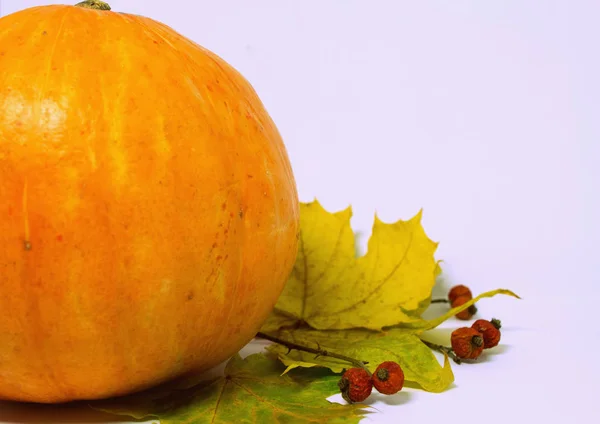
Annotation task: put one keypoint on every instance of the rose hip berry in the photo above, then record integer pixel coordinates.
(356, 385)
(468, 313)
(458, 291)
(388, 378)
(467, 343)
(490, 330)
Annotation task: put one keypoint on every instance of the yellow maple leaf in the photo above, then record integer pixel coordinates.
(331, 288)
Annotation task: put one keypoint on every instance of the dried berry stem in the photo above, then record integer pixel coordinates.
(496, 323)
(444, 349)
(93, 4)
(440, 301)
(318, 352)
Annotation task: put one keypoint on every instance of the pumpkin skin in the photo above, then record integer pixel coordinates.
(148, 210)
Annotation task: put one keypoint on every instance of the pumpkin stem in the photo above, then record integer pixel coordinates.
(94, 4)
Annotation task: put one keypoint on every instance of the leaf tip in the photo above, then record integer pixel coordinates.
(313, 202)
(419, 216)
(376, 219)
(510, 293)
(288, 369)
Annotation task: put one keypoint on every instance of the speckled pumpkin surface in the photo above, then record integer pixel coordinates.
(148, 210)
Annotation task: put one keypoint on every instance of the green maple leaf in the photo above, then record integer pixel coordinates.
(251, 391)
(400, 343)
(404, 346)
(333, 289)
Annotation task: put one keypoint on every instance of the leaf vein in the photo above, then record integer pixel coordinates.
(214, 417)
(331, 258)
(274, 407)
(377, 288)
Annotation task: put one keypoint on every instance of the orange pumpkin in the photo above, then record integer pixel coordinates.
(148, 210)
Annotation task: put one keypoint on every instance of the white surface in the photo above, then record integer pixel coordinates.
(483, 113)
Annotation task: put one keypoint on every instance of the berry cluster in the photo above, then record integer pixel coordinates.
(469, 342)
(357, 384)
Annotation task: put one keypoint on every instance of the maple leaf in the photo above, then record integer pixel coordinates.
(251, 391)
(418, 362)
(400, 343)
(331, 288)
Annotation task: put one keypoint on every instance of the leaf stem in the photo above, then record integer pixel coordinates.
(440, 301)
(318, 351)
(444, 349)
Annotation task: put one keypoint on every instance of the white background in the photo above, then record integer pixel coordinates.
(484, 113)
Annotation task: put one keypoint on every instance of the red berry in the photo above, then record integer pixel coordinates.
(356, 385)
(467, 343)
(489, 330)
(468, 313)
(458, 291)
(388, 378)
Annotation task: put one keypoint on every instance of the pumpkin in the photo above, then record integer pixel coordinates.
(149, 213)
